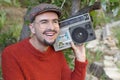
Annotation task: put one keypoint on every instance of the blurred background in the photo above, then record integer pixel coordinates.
(103, 53)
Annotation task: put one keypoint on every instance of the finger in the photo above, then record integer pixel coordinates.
(80, 44)
(73, 45)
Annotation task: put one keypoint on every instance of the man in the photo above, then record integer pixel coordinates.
(34, 58)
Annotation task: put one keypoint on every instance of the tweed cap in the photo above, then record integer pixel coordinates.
(41, 8)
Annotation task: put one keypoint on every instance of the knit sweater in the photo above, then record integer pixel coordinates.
(21, 61)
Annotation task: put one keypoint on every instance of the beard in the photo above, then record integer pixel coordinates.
(48, 43)
(45, 41)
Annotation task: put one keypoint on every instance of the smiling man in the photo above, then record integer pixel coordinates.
(34, 58)
(45, 29)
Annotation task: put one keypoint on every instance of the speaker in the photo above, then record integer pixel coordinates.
(78, 29)
(82, 33)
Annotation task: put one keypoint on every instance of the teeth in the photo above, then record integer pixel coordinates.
(50, 34)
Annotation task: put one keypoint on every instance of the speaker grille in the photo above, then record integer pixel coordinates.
(79, 35)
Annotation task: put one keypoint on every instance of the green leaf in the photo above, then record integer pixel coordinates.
(114, 0)
(8, 1)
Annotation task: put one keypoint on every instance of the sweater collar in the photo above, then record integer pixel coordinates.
(49, 52)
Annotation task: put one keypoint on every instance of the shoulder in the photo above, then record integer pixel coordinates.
(60, 54)
(14, 47)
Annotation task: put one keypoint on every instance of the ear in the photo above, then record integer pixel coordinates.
(32, 28)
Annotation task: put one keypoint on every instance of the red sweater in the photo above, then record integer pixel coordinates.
(22, 61)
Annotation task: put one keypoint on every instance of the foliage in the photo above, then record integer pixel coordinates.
(10, 36)
(111, 7)
(28, 3)
(98, 18)
(116, 32)
(97, 56)
(2, 19)
(110, 11)
(63, 4)
(118, 64)
(1, 74)
(69, 56)
(10, 3)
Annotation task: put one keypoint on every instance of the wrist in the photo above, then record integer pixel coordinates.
(81, 59)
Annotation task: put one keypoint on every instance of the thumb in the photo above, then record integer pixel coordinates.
(73, 46)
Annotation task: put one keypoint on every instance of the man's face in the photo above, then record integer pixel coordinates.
(46, 27)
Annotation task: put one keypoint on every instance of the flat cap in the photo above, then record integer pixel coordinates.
(41, 8)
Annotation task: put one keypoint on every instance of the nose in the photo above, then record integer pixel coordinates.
(51, 26)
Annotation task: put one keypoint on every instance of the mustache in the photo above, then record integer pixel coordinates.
(49, 30)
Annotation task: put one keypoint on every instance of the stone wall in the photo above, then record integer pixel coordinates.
(106, 43)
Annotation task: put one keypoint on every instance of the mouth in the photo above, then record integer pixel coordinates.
(50, 33)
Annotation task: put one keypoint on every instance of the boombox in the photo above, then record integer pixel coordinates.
(78, 29)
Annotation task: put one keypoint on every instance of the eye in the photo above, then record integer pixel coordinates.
(43, 21)
(56, 21)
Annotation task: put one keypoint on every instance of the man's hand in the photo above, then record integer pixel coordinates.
(79, 51)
